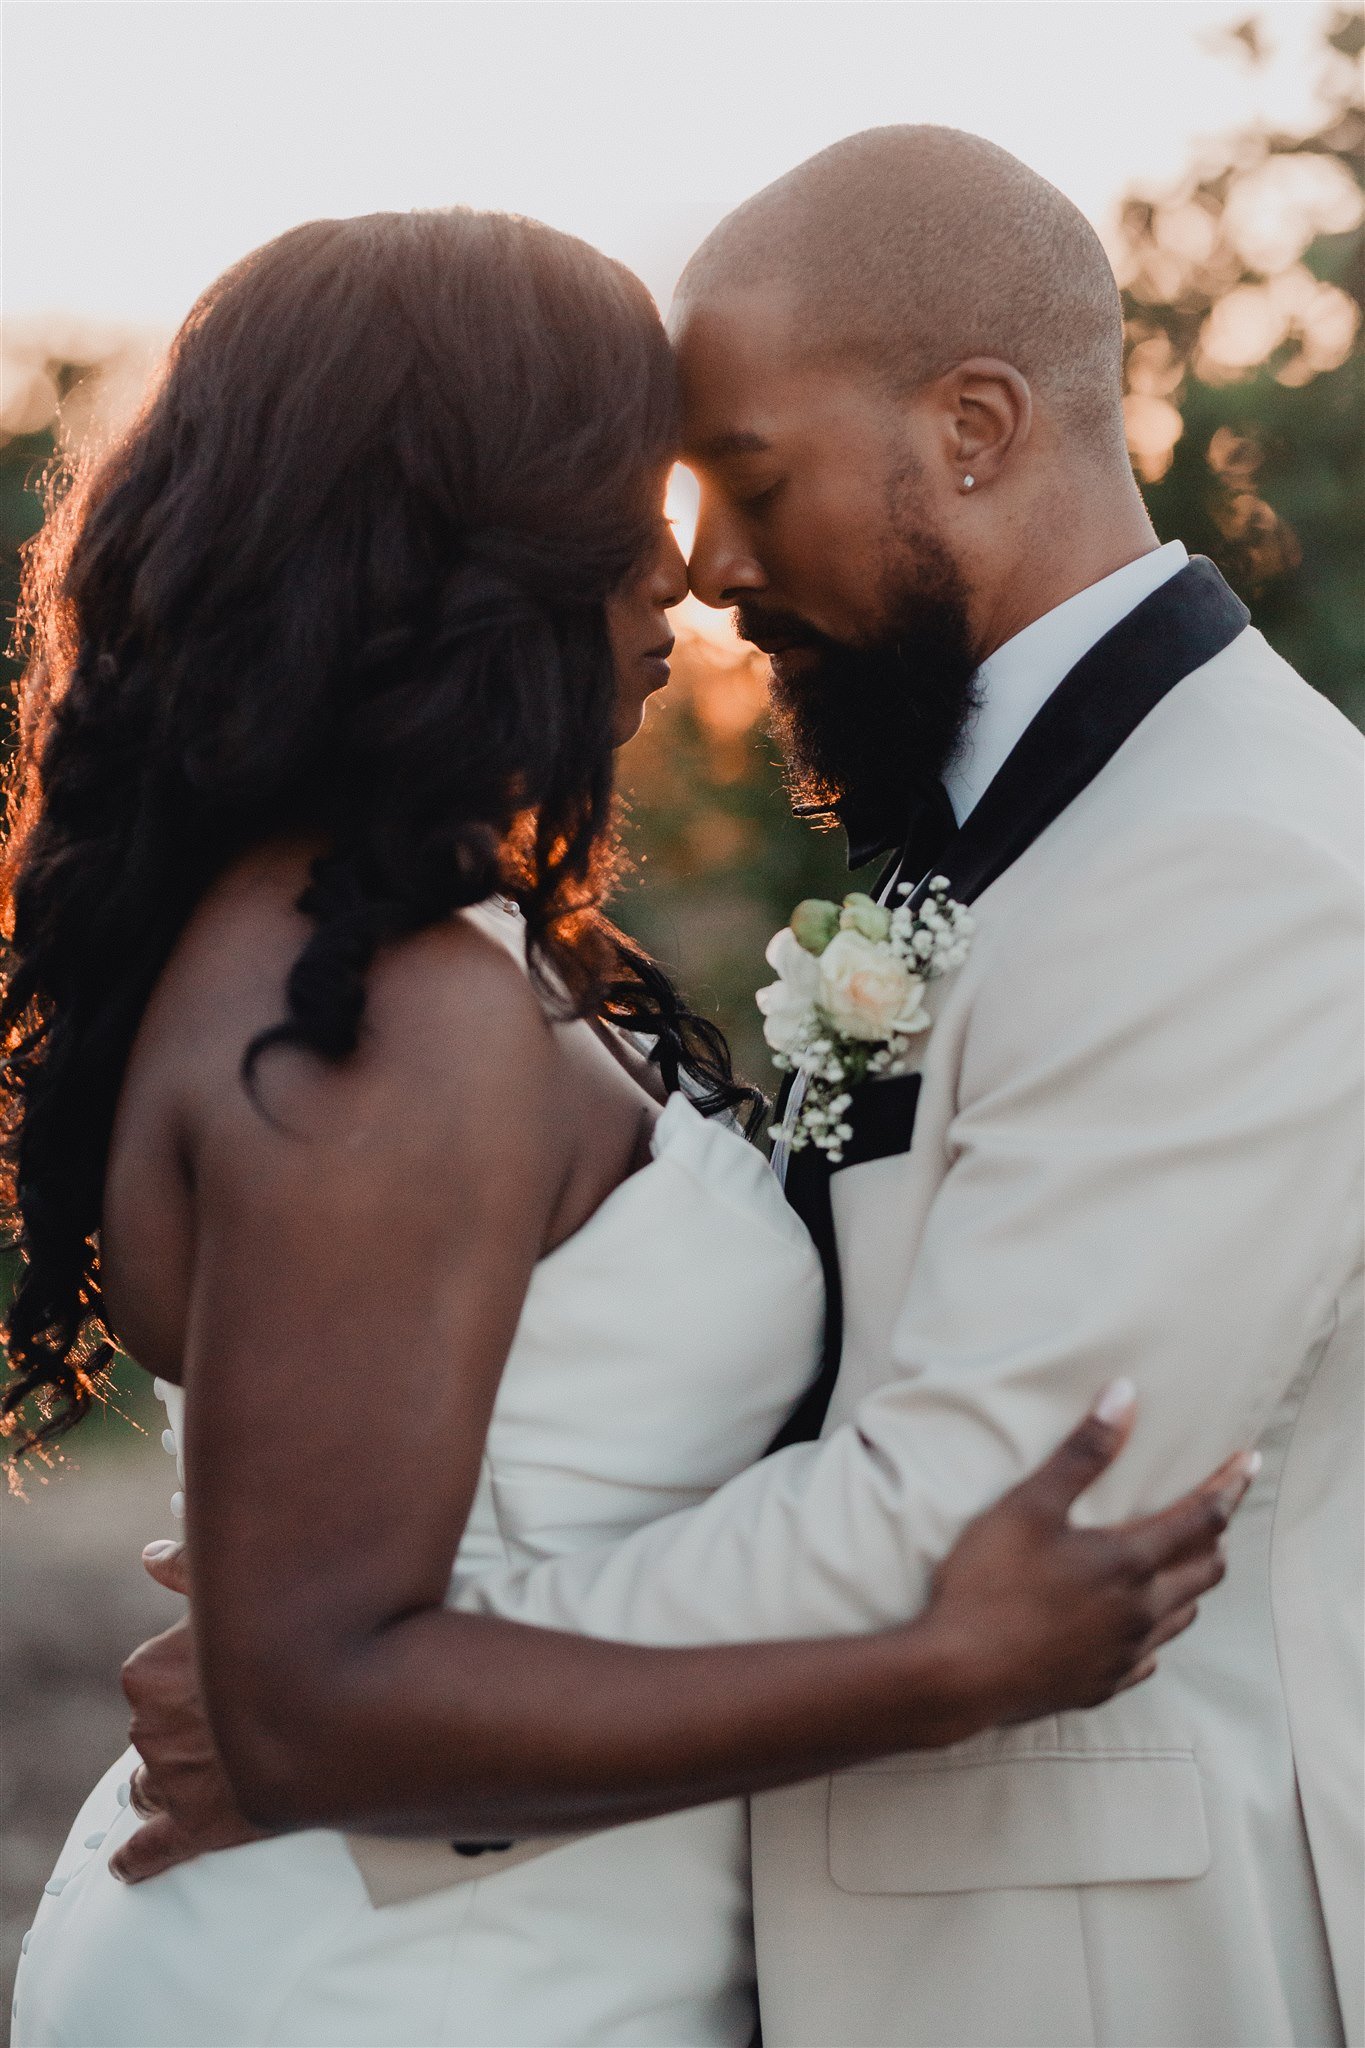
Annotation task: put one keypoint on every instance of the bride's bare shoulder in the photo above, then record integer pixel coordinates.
(452, 1086)
(448, 1011)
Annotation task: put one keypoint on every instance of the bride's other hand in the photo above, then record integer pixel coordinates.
(1053, 1616)
(180, 1789)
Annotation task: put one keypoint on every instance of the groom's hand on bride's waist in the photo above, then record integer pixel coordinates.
(180, 1789)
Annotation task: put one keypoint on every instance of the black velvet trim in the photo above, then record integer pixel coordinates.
(882, 1117)
(1098, 705)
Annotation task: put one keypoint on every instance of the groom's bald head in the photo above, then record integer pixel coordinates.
(912, 249)
(900, 370)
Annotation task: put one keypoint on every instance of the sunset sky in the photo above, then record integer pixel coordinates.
(148, 145)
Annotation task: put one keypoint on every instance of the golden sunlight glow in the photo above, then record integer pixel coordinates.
(120, 361)
(691, 615)
(1275, 210)
(1252, 320)
(680, 506)
(1153, 426)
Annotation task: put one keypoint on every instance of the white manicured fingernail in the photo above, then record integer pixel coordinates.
(1252, 1463)
(154, 1552)
(1116, 1401)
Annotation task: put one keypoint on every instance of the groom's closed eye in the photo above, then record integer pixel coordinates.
(761, 500)
(722, 447)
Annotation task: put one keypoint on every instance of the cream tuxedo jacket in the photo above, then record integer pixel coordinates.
(1136, 1150)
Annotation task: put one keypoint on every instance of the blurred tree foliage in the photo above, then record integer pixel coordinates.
(23, 460)
(719, 860)
(1243, 293)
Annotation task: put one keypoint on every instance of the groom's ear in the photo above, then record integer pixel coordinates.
(986, 411)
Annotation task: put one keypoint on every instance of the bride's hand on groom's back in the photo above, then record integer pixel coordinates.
(180, 1790)
(1053, 1616)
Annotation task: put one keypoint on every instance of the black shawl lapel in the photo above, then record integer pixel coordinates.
(1097, 706)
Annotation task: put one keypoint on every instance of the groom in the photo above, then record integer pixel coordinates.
(1134, 1147)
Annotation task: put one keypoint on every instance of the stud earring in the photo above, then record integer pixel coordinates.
(968, 482)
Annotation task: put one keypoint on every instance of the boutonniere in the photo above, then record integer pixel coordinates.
(848, 1002)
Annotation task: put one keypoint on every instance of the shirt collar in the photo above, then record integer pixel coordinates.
(1016, 681)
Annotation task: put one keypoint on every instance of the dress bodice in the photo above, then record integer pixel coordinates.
(659, 1350)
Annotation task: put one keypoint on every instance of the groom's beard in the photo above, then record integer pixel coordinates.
(868, 729)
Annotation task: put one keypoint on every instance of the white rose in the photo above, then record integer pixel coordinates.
(866, 991)
(786, 1002)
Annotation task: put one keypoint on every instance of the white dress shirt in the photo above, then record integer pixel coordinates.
(1015, 682)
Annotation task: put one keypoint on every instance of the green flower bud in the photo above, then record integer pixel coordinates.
(814, 924)
(861, 914)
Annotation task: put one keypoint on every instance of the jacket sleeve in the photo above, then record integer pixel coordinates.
(1151, 1168)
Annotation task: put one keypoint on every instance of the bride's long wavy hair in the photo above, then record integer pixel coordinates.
(344, 577)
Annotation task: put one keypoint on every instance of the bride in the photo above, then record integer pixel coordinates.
(324, 1094)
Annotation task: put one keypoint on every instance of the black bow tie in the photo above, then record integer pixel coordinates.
(917, 839)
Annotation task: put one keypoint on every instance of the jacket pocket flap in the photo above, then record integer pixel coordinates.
(1002, 1824)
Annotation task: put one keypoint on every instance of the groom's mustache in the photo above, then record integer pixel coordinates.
(772, 632)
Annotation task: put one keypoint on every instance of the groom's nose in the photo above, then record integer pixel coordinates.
(721, 568)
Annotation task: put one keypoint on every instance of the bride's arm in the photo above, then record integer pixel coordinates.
(1015, 1567)
(363, 1251)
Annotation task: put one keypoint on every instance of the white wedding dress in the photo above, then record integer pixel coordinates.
(658, 1351)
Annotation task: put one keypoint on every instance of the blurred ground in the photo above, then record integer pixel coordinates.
(73, 1601)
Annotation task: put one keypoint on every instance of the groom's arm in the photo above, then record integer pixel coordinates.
(1151, 1171)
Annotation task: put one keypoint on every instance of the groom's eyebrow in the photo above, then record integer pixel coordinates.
(737, 443)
